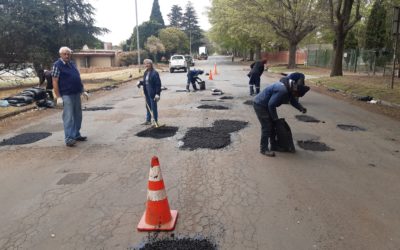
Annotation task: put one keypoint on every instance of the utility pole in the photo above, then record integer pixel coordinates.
(137, 35)
(395, 30)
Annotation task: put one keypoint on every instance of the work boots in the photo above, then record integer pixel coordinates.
(257, 90)
(251, 90)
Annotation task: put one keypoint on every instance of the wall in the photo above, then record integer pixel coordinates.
(100, 61)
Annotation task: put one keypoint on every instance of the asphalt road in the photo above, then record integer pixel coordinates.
(348, 198)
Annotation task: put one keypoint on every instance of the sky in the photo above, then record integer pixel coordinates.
(119, 15)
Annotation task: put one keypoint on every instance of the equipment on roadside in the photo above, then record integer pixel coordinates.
(284, 138)
(27, 96)
(158, 216)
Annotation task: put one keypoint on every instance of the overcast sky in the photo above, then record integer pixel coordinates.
(119, 15)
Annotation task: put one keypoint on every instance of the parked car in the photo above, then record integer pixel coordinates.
(177, 62)
(203, 56)
(189, 60)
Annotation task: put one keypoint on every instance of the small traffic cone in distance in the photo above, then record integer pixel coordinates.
(210, 77)
(158, 216)
(215, 69)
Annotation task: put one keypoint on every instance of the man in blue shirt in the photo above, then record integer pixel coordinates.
(287, 90)
(68, 88)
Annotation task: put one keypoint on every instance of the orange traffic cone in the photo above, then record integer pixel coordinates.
(210, 77)
(215, 69)
(158, 216)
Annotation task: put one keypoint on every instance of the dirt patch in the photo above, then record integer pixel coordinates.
(178, 244)
(314, 146)
(350, 127)
(307, 118)
(215, 137)
(158, 133)
(227, 98)
(74, 179)
(249, 102)
(26, 138)
(215, 107)
(96, 108)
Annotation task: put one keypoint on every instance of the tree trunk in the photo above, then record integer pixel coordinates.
(251, 55)
(292, 55)
(337, 65)
(258, 51)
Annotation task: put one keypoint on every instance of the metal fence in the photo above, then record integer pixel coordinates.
(356, 60)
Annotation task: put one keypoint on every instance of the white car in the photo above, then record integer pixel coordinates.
(177, 62)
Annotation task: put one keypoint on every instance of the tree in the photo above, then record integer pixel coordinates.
(146, 30)
(376, 27)
(344, 14)
(156, 15)
(175, 17)
(154, 46)
(190, 25)
(174, 40)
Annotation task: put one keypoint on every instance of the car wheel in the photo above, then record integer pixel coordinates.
(171, 70)
(185, 70)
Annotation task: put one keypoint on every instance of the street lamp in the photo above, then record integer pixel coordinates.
(137, 35)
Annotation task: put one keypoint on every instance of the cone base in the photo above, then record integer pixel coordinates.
(170, 226)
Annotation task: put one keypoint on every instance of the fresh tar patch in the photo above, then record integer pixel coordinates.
(178, 244)
(26, 138)
(74, 179)
(158, 133)
(100, 108)
(350, 127)
(314, 146)
(307, 118)
(215, 107)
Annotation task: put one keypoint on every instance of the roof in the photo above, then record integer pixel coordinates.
(110, 53)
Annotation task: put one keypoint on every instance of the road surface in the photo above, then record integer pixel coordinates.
(348, 198)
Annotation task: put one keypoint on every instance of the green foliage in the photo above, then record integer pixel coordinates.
(190, 25)
(175, 17)
(351, 41)
(376, 27)
(154, 46)
(146, 30)
(156, 15)
(131, 57)
(174, 40)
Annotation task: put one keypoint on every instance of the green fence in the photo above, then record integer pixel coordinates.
(355, 60)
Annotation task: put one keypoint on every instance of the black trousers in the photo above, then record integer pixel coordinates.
(267, 127)
(255, 80)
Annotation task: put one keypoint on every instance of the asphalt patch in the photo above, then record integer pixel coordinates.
(314, 146)
(249, 102)
(26, 138)
(227, 98)
(158, 133)
(209, 100)
(215, 107)
(74, 179)
(350, 127)
(307, 118)
(97, 108)
(179, 244)
(215, 137)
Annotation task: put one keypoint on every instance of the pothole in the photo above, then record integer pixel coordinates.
(74, 179)
(215, 107)
(178, 244)
(158, 133)
(350, 127)
(215, 137)
(314, 146)
(307, 118)
(227, 98)
(26, 138)
(248, 102)
(96, 108)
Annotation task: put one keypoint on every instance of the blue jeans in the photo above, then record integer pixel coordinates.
(72, 116)
(150, 103)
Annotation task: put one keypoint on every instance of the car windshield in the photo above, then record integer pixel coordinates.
(188, 57)
(177, 58)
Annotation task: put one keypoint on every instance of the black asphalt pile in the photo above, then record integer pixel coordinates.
(26, 138)
(97, 108)
(179, 244)
(307, 118)
(314, 146)
(248, 102)
(350, 127)
(215, 137)
(216, 107)
(227, 98)
(158, 133)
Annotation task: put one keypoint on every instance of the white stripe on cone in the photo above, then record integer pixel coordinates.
(155, 174)
(156, 195)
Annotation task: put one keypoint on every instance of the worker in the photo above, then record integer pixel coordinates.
(45, 75)
(152, 90)
(287, 90)
(193, 78)
(257, 69)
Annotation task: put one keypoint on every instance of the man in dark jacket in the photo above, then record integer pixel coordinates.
(45, 75)
(257, 69)
(285, 91)
(152, 90)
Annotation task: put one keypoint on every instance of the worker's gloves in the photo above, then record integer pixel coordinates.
(86, 95)
(156, 98)
(60, 102)
(138, 84)
(304, 110)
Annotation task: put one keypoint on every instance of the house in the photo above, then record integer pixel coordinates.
(95, 58)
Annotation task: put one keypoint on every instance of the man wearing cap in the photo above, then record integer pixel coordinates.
(68, 89)
(287, 90)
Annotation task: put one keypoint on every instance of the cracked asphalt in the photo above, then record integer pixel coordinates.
(343, 199)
